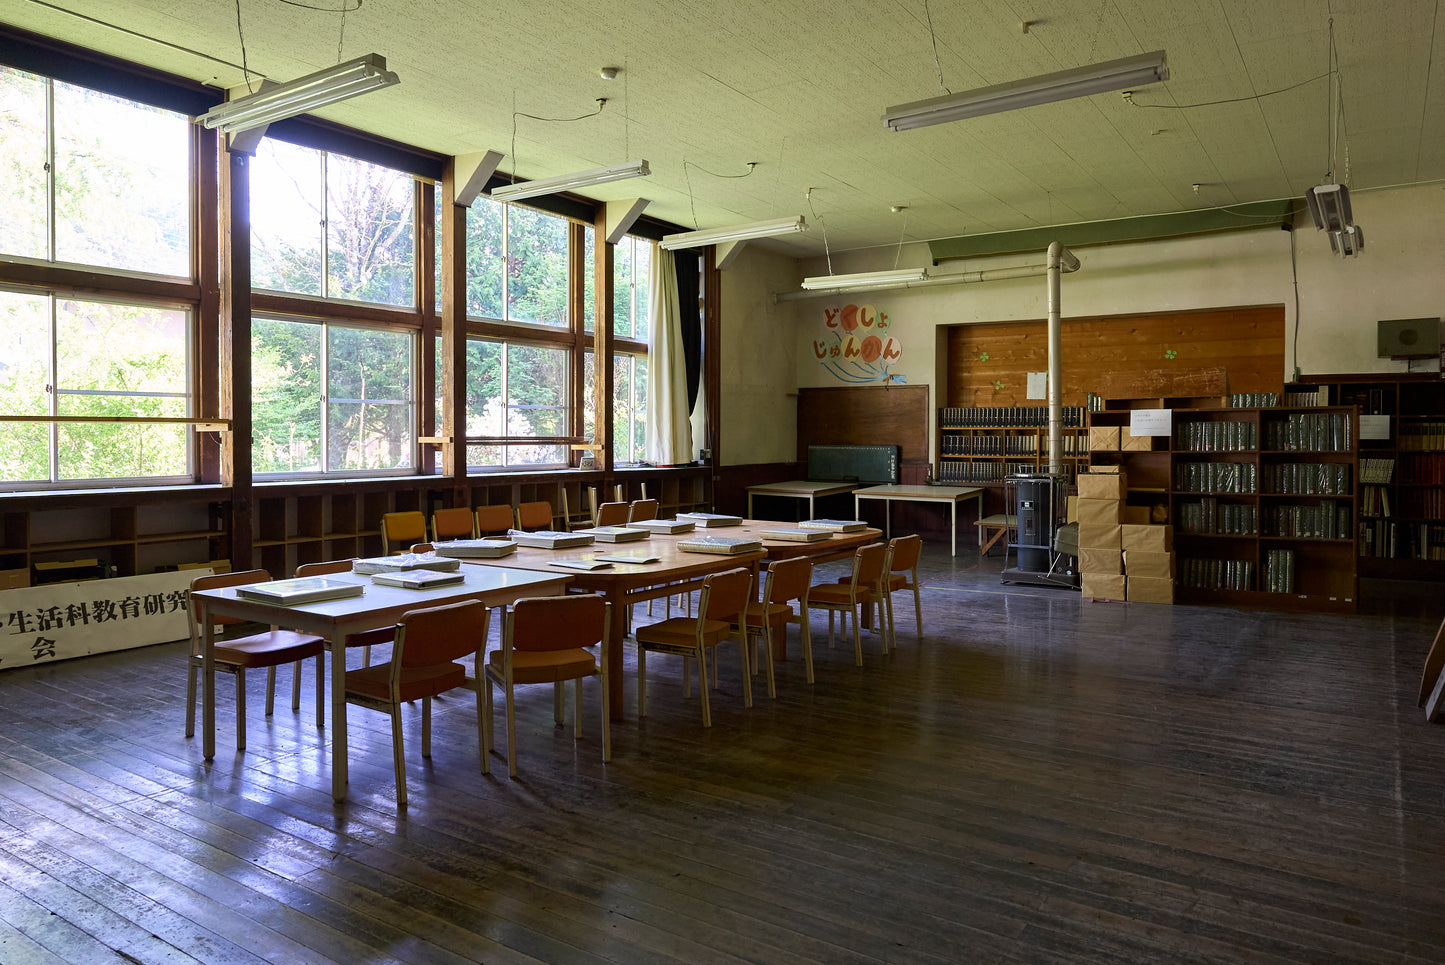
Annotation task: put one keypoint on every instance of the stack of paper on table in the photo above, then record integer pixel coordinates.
(305, 589)
(476, 548)
(404, 563)
(548, 539)
(583, 564)
(798, 535)
(419, 579)
(615, 534)
(721, 545)
(834, 525)
(665, 525)
(711, 519)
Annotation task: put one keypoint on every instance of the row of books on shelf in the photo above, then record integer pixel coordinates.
(1306, 479)
(1216, 436)
(1278, 571)
(1211, 574)
(1310, 432)
(1392, 539)
(1306, 396)
(1253, 400)
(1374, 502)
(1328, 520)
(992, 417)
(1029, 445)
(1208, 518)
(1376, 469)
(1422, 469)
(982, 472)
(1425, 436)
(1216, 477)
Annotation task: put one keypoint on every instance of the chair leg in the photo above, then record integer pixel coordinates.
(321, 685)
(511, 730)
(606, 715)
(768, 659)
(747, 672)
(641, 681)
(241, 708)
(270, 690)
(296, 687)
(426, 727)
(702, 685)
(484, 683)
(484, 714)
(857, 636)
(892, 630)
(193, 670)
(807, 635)
(830, 629)
(398, 755)
(559, 703)
(366, 655)
(917, 608)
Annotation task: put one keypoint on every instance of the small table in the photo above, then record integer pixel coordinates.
(799, 489)
(951, 495)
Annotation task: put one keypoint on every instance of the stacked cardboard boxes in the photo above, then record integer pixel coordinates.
(1100, 512)
(1148, 561)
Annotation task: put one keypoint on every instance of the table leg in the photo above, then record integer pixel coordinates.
(616, 634)
(338, 718)
(750, 506)
(953, 527)
(208, 684)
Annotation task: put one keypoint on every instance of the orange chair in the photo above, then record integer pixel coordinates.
(400, 530)
(537, 515)
(903, 575)
(543, 642)
(494, 519)
(611, 514)
(266, 650)
(862, 589)
(367, 638)
(423, 665)
(787, 580)
(724, 597)
(454, 523)
(642, 509)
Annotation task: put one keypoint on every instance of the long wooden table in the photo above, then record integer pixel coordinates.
(379, 606)
(949, 496)
(807, 489)
(676, 571)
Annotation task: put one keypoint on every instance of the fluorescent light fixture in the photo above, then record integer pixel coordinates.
(569, 182)
(1347, 241)
(865, 280)
(1122, 74)
(742, 232)
(301, 95)
(1329, 206)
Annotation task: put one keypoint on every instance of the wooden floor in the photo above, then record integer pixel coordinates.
(1040, 779)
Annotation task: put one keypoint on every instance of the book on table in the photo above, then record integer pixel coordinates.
(300, 591)
(708, 520)
(403, 563)
(798, 535)
(669, 526)
(584, 564)
(419, 579)
(615, 534)
(636, 559)
(721, 545)
(834, 525)
(548, 539)
(476, 548)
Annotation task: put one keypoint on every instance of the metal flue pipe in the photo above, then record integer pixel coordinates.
(1060, 260)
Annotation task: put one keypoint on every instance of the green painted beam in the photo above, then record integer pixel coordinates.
(1152, 227)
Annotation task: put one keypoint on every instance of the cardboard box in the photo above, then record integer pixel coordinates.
(1103, 512)
(1147, 538)
(1100, 562)
(1149, 589)
(1100, 536)
(1103, 438)
(1105, 469)
(1100, 587)
(1142, 563)
(1071, 509)
(1102, 485)
(1136, 515)
(220, 566)
(13, 579)
(1128, 442)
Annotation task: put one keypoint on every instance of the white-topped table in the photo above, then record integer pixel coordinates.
(799, 489)
(949, 495)
(379, 606)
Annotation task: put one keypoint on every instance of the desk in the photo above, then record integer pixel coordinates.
(951, 495)
(800, 489)
(380, 606)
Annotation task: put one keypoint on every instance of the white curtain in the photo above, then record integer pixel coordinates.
(669, 431)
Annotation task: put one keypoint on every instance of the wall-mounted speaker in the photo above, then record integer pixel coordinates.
(1409, 338)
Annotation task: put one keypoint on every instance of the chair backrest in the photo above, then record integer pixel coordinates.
(905, 552)
(421, 548)
(439, 634)
(537, 515)
(321, 569)
(454, 523)
(642, 509)
(400, 530)
(869, 564)
(788, 580)
(217, 581)
(494, 519)
(725, 595)
(557, 622)
(611, 514)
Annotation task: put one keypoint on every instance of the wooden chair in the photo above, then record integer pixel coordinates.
(422, 665)
(400, 530)
(493, 519)
(1432, 678)
(454, 523)
(367, 638)
(787, 580)
(267, 650)
(419, 548)
(536, 515)
(724, 597)
(849, 596)
(543, 642)
(641, 509)
(903, 575)
(611, 514)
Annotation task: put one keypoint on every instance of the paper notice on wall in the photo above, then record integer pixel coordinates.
(1038, 385)
(1375, 427)
(1150, 422)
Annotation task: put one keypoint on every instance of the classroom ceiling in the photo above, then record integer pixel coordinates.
(799, 87)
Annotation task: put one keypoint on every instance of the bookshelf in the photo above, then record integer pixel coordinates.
(979, 446)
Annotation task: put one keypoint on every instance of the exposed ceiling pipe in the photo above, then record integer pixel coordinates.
(1060, 260)
(956, 278)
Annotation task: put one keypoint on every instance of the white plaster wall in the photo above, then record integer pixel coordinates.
(759, 391)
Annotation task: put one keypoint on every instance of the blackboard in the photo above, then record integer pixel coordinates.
(864, 464)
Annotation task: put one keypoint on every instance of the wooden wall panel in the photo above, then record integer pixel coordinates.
(895, 415)
(1112, 355)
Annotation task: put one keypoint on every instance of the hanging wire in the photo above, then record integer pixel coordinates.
(827, 253)
(245, 71)
(1229, 100)
(901, 235)
(342, 9)
(341, 38)
(933, 38)
(601, 103)
(1098, 31)
(1330, 105)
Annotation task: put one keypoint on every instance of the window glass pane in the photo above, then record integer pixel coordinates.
(641, 279)
(589, 397)
(370, 247)
(622, 289)
(23, 230)
(536, 391)
(436, 220)
(122, 183)
(589, 277)
(24, 374)
(286, 218)
(485, 409)
(125, 361)
(622, 447)
(286, 396)
(486, 258)
(368, 404)
(536, 267)
(639, 407)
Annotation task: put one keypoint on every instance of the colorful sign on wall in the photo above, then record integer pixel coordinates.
(855, 345)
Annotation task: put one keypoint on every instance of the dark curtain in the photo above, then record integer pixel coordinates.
(688, 280)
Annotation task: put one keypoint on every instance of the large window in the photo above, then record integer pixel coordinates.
(517, 264)
(517, 403)
(331, 398)
(331, 226)
(94, 360)
(631, 278)
(92, 179)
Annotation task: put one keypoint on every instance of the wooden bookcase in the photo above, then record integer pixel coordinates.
(1262, 501)
(980, 446)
